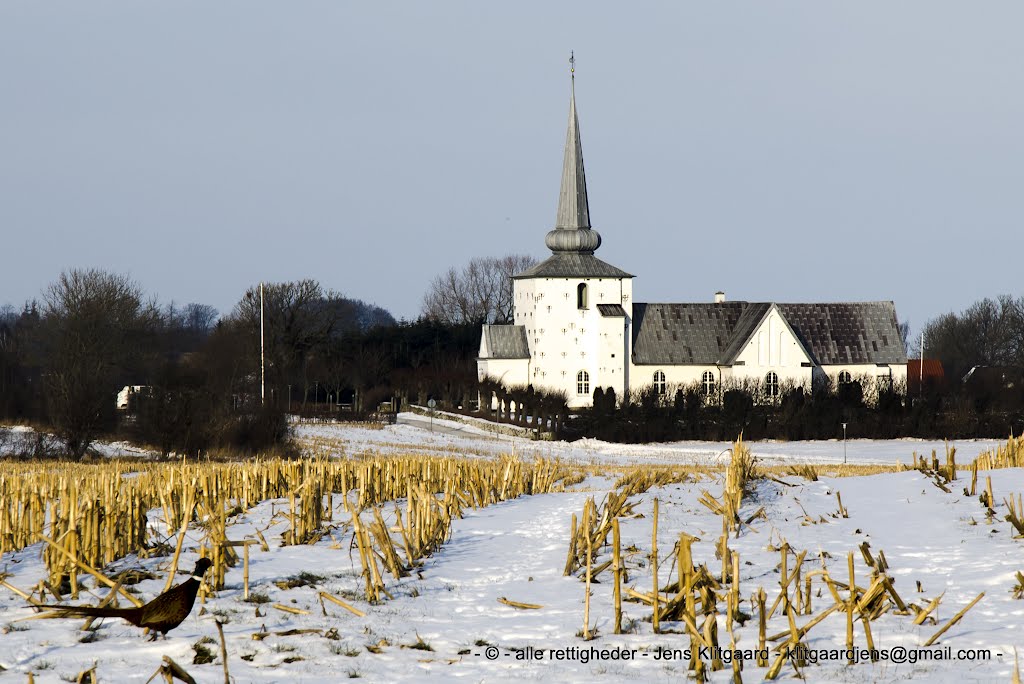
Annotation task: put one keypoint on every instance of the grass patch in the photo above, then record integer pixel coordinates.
(345, 650)
(303, 579)
(257, 597)
(133, 576)
(203, 654)
(91, 636)
(419, 645)
(222, 614)
(806, 471)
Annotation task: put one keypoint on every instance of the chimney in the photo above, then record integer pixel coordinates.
(719, 297)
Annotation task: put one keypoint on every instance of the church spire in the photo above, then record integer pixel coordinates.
(572, 231)
(573, 212)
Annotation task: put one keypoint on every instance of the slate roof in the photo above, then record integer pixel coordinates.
(572, 265)
(506, 342)
(848, 332)
(751, 317)
(683, 333)
(611, 310)
(714, 333)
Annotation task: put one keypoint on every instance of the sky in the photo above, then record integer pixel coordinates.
(786, 151)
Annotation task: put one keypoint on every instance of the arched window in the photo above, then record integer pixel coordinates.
(583, 383)
(659, 382)
(845, 378)
(771, 384)
(581, 296)
(707, 382)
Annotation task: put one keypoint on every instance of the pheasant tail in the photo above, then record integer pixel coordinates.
(130, 614)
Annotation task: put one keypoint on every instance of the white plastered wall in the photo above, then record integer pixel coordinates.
(509, 372)
(565, 339)
(676, 377)
(773, 348)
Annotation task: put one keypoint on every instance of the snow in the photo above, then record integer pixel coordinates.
(517, 549)
(21, 439)
(410, 434)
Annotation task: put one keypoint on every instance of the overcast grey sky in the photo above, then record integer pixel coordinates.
(781, 151)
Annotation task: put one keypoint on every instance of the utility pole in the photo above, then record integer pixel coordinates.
(920, 386)
(844, 443)
(263, 364)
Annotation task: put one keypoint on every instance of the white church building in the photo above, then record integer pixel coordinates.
(577, 327)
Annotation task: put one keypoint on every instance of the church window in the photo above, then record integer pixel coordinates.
(708, 383)
(845, 378)
(583, 383)
(659, 382)
(581, 296)
(771, 384)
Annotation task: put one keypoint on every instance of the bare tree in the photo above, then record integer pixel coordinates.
(988, 333)
(480, 293)
(299, 317)
(903, 327)
(507, 267)
(95, 322)
(199, 318)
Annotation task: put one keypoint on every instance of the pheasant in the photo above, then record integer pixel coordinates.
(161, 615)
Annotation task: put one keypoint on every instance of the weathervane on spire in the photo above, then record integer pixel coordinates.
(572, 64)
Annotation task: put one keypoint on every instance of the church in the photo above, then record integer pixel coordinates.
(577, 327)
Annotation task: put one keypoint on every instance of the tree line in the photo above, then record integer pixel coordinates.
(65, 357)
(990, 332)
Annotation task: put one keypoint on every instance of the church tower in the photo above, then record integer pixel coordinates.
(577, 328)
(574, 308)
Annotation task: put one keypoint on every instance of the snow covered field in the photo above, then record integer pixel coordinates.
(445, 622)
(412, 433)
